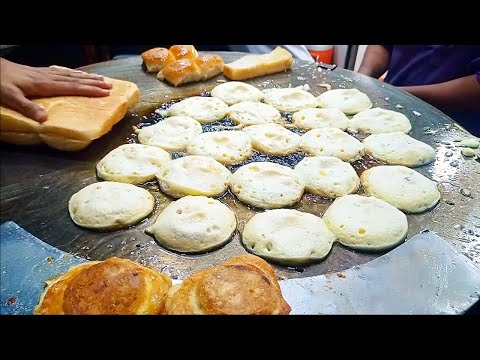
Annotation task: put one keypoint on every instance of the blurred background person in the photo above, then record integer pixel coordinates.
(446, 76)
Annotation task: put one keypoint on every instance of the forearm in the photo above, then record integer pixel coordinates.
(462, 93)
(375, 61)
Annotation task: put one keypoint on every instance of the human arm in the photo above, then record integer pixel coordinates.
(19, 83)
(461, 94)
(375, 61)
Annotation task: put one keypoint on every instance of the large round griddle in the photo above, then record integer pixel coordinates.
(37, 182)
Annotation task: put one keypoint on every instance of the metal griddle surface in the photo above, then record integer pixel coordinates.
(37, 182)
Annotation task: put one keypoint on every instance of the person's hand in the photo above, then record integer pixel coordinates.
(19, 83)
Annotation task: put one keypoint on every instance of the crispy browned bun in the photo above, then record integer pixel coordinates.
(51, 300)
(209, 65)
(184, 52)
(242, 285)
(157, 58)
(257, 262)
(114, 286)
(189, 70)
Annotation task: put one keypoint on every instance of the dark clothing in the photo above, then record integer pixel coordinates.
(430, 64)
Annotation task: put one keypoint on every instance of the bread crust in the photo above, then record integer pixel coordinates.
(73, 121)
(251, 66)
(243, 285)
(114, 286)
(191, 70)
(157, 58)
(183, 52)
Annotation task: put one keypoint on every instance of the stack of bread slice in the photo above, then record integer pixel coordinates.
(73, 121)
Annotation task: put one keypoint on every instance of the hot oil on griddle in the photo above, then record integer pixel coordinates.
(339, 258)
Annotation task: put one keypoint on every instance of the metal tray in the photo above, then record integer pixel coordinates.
(37, 182)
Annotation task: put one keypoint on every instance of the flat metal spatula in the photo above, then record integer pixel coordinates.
(425, 275)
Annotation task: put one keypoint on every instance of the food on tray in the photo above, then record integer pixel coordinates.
(366, 223)
(227, 147)
(327, 176)
(73, 121)
(171, 134)
(309, 119)
(194, 224)
(273, 139)
(158, 58)
(235, 91)
(266, 185)
(401, 187)
(193, 175)
(181, 64)
(288, 236)
(111, 287)
(201, 108)
(110, 205)
(397, 148)
(132, 163)
(289, 99)
(332, 142)
(350, 101)
(250, 66)
(184, 52)
(253, 113)
(190, 70)
(378, 121)
(243, 285)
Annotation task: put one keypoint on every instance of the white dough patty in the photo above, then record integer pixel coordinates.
(266, 185)
(289, 99)
(327, 176)
(194, 224)
(332, 142)
(288, 236)
(201, 108)
(401, 187)
(349, 101)
(366, 223)
(227, 147)
(110, 205)
(253, 113)
(319, 118)
(132, 163)
(273, 139)
(233, 92)
(172, 134)
(193, 175)
(398, 148)
(378, 121)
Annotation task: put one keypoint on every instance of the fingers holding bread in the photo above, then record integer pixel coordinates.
(70, 123)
